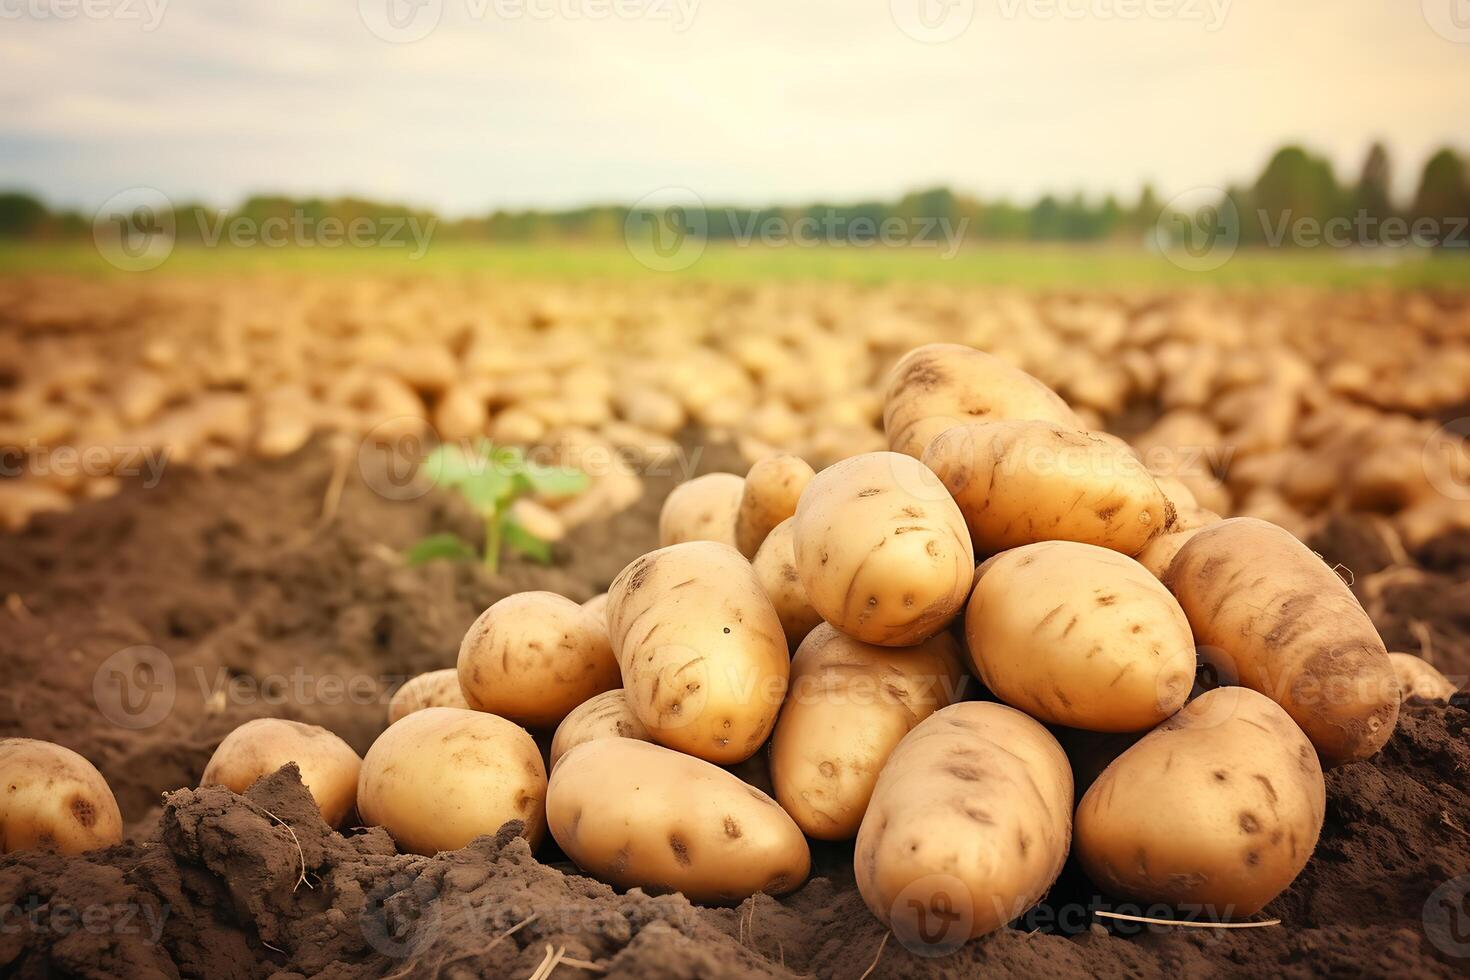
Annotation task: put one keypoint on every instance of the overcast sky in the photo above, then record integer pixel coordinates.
(541, 102)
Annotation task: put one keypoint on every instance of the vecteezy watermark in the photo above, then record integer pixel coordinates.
(1198, 230)
(91, 462)
(1450, 19)
(1362, 230)
(1446, 459)
(669, 229)
(1209, 13)
(932, 21)
(407, 21)
(134, 229)
(56, 916)
(147, 13)
(1447, 917)
(135, 688)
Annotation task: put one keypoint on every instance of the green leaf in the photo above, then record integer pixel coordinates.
(555, 481)
(440, 546)
(524, 543)
(449, 465)
(488, 489)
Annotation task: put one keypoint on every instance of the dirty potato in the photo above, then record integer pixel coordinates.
(329, 767)
(56, 800)
(1418, 678)
(772, 488)
(701, 509)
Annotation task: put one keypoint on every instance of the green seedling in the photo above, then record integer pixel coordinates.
(492, 478)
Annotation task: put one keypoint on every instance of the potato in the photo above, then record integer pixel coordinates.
(1220, 806)
(608, 715)
(938, 386)
(1159, 553)
(1077, 635)
(968, 826)
(443, 776)
(703, 658)
(533, 657)
(1419, 679)
(634, 814)
(701, 509)
(436, 689)
(849, 704)
(772, 488)
(329, 767)
(882, 550)
(1018, 483)
(56, 800)
(1267, 613)
(775, 569)
(597, 606)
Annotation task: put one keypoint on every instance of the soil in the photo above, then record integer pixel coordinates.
(220, 597)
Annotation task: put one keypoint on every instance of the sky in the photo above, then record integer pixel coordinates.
(470, 105)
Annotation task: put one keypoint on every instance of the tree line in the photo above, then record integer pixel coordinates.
(1296, 186)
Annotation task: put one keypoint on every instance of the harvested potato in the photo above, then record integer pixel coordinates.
(1077, 635)
(1419, 679)
(772, 488)
(608, 715)
(1268, 613)
(443, 776)
(775, 568)
(701, 509)
(703, 658)
(635, 814)
(1159, 553)
(57, 800)
(848, 705)
(329, 767)
(1220, 806)
(436, 689)
(1018, 483)
(937, 386)
(968, 826)
(533, 657)
(882, 550)
(597, 606)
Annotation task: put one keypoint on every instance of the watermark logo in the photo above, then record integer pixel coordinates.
(135, 687)
(1447, 917)
(1446, 459)
(401, 21)
(1198, 230)
(134, 229)
(400, 917)
(148, 13)
(666, 231)
(932, 916)
(1211, 13)
(932, 21)
(1450, 19)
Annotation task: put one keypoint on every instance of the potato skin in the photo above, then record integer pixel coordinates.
(704, 661)
(533, 657)
(968, 827)
(882, 549)
(435, 689)
(1266, 610)
(608, 715)
(57, 800)
(772, 488)
(937, 386)
(849, 704)
(1081, 636)
(443, 776)
(775, 569)
(329, 767)
(1018, 483)
(701, 509)
(1418, 678)
(635, 814)
(1219, 806)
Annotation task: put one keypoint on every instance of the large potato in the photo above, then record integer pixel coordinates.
(635, 814)
(329, 767)
(968, 826)
(775, 568)
(701, 509)
(1077, 635)
(772, 488)
(533, 657)
(704, 661)
(937, 386)
(1220, 806)
(1269, 614)
(443, 776)
(848, 705)
(1159, 553)
(55, 800)
(1021, 482)
(882, 549)
(1418, 678)
(608, 715)
(435, 689)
